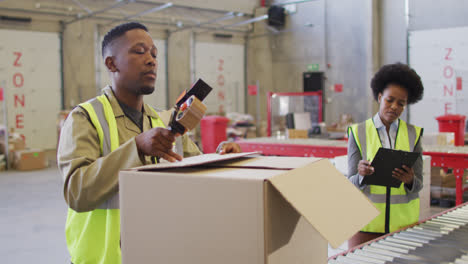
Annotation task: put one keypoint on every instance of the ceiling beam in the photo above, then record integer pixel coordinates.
(190, 7)
(38, 12)
(62, 16)
(85, 8)
(151, 10)
(227, 16)
(248, 21)
(94, 13)
(170, 24)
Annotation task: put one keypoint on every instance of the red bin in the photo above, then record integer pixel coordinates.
(453, 123)
(213, 132)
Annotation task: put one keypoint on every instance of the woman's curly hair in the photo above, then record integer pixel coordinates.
(398, 74)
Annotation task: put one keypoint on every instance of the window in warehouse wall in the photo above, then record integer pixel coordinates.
(158, 98)
(30, 71)
(222, 67)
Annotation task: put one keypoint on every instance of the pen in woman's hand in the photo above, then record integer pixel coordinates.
(365, 168)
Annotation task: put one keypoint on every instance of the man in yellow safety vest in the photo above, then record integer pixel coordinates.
(111, 132)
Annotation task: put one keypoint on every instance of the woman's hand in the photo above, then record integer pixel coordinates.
(405, 174)
(365, 168)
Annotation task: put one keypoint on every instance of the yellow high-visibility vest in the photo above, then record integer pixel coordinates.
(404, 207)
(94, 237)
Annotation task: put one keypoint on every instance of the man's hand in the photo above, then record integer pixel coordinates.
(365, 168)
(157, 142)
(405, 174)
(229, 147)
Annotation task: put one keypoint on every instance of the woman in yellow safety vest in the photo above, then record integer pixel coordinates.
(394, 86)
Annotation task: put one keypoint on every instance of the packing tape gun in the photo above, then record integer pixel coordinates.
(189, 108)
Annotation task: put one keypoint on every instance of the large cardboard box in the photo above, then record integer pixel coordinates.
(248, 210)
(30, 159)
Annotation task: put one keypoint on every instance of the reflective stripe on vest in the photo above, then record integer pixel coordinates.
(94, 237)
(404, 207)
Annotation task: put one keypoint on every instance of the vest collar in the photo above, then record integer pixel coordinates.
(149, 111)
(379, 124)
(118, 112)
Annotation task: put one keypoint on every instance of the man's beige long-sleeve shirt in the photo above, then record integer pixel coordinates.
(89, 178)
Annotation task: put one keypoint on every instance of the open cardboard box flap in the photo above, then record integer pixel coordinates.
(313, 186)
(193, 161)
(265, 162)
(326, 199)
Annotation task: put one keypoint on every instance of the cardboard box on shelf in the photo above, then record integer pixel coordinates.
(439, 139)
(248, 210)
(297, 133)
(442, 178)
(15, 142)
(30, 159)
(438, 192)
(443, 183)
(342, 125)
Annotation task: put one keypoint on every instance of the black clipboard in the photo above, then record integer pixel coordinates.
(385, 161)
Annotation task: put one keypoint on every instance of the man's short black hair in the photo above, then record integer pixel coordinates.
(119, 31)
(398, 74)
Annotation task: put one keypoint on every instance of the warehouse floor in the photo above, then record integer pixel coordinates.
(33, 215)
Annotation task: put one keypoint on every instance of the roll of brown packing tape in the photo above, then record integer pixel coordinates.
(191, 114)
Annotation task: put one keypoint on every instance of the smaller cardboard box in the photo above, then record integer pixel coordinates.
(30, 159)
(439, 139)
(443, 183)
(258, 210)
(15, 142)
(297, 133)
(446, 179)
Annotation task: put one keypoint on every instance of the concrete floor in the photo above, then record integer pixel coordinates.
(33, 215)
